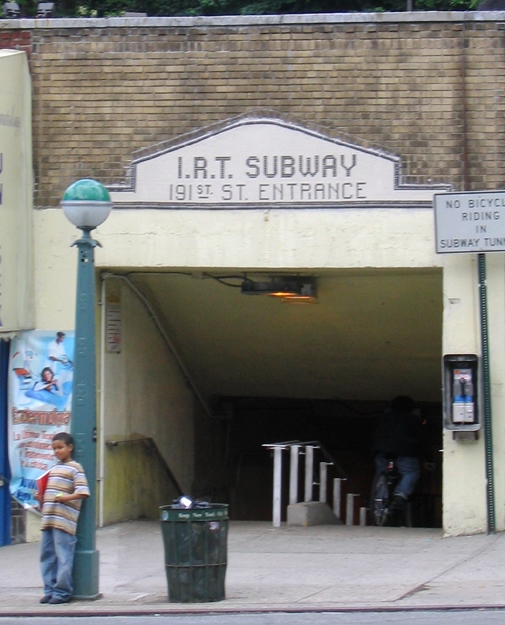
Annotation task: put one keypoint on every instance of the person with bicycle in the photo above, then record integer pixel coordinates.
(399, 434)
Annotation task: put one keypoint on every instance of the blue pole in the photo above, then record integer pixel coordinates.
(486, 379)
(5, 498)
(83, 423)
(86, 203)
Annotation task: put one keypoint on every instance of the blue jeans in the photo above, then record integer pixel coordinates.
(56, 562)
(409, 469)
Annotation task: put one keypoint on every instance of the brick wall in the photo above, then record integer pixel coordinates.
(428, 87)
(16, 40)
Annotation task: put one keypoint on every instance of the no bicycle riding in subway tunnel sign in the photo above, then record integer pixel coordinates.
(471, 222)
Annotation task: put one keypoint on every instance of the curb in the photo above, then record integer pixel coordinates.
(192, 611)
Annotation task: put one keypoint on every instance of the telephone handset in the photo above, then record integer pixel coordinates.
(463, 410)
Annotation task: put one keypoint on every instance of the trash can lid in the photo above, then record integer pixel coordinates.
(216, 512)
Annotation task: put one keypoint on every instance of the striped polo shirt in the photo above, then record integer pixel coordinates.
(64, 477)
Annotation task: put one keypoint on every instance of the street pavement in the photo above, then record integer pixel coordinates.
(288, 569)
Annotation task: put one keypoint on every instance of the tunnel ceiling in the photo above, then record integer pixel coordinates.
(373, 334)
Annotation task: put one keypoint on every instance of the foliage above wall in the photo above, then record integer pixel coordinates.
(107, 8)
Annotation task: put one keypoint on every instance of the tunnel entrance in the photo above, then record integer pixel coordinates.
(344, 430)
(322, 372)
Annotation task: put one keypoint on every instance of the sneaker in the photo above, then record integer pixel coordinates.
(45, 599)
(399, 502)
(55, 600)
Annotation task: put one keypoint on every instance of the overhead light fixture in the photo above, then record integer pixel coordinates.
(289, 289)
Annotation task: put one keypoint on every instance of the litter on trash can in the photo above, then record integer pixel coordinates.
(183, 502)
(186, 502)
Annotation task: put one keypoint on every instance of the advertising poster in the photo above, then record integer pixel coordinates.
(40, 394)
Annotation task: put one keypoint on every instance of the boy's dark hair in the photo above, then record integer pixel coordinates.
(65, 437)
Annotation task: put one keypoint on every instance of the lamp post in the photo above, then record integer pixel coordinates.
(86, 204)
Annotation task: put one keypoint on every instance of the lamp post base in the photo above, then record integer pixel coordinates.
(86, 583)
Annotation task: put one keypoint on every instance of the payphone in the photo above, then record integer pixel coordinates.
(461, 392)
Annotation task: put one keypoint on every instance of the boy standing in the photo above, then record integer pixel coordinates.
(66, 487)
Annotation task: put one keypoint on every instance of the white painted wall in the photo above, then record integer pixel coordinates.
(254, 239)
(464, 483)
(16, 200)
(145, 396)
(276, 238)
(144, 392)
(285, 239)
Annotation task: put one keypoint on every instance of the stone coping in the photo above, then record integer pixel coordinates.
(255, 20)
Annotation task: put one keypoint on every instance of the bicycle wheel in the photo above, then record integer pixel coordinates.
(379, 504)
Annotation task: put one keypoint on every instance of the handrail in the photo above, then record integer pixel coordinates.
(341, 472)
(151, 444)
(309, 446)
(329, 458)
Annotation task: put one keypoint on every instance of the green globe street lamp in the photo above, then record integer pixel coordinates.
(86, 204)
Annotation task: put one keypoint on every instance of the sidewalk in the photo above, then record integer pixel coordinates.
(319, 568)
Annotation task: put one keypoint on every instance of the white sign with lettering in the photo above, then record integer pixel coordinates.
(266, 162)
(17, 310)
(470, 222)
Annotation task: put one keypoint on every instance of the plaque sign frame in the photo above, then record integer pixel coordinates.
(265, 162)
(470, 222)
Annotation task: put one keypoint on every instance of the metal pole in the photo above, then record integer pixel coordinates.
(362, 516)
(337, 497)
(293, 473)
(83, 422)
(309, 468)
(323, 481)
(277, 486)
(349, 510)
(5, 497)
(486, 379)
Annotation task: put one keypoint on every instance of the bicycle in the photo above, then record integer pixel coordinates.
(381, 502)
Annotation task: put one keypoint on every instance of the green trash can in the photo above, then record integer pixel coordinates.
(196, 543)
